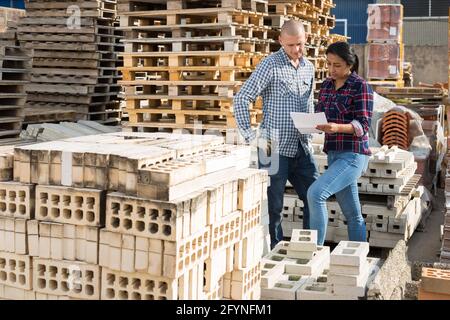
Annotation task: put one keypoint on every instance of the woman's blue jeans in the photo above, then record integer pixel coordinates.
(344, 169)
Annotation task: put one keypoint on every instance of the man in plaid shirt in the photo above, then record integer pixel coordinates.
(285, 81)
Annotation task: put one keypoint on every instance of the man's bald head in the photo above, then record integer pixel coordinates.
(292, 28)
(293, 39)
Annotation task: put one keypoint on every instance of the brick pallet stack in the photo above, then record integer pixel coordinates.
(392, 203)
(318, 21)
(385, 52)
(301, 270)
(14, 75)
(185, 59)
(435, 284)
(75, 47)
(132, 216)
(445, 249)
(428, 103)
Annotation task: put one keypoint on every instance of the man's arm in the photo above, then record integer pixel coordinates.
(252, 88)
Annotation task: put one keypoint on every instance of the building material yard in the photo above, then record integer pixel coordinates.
(138, 159)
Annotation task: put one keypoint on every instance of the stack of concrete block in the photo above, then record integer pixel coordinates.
(349, 275)
(292, 218)
(291, 265)
(391, 178)
(292, 214)
(390, 171)
(134, 216)
(435, 284)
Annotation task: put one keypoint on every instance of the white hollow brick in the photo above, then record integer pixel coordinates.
(349, 253)
(303, 240)
(271, 271)
(17, 200)
(70, 205)
(74, 279)
(155, 219)
(118, 285)
(313, 267)
(15, 270)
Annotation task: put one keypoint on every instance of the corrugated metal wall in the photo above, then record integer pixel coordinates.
(420, 8)
(429, 31)
(355, 11)
(12, 4)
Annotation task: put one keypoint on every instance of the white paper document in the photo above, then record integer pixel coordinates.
(307, 122)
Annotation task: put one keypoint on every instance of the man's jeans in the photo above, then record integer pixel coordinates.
(344, 169)
(301, 172)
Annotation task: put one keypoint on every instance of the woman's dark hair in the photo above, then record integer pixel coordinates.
(345, 52)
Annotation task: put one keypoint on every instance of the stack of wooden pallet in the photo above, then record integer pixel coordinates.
(301, 270)
(75, 57)
(185, 59)
(132, 216)
(14, 75)
(412, 95)
(318, 21)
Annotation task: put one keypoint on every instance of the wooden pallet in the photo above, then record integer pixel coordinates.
(185, 117)
(211, 43)
(259, 6)
(63, 12)
(192, 16)
(411, 92)
(42, 114)
(206, 58)
(298, 9)
(386, 83)
(200, 102)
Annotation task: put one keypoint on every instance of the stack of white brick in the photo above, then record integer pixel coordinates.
(16, 209)
(390, 172)
(292, 218)
(292, 214)
(349, 274)
(133, 216)
(291, 265)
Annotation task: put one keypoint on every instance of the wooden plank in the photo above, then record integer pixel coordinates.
(181, 83)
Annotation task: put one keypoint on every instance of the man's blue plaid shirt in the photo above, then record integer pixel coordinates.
(284, 89)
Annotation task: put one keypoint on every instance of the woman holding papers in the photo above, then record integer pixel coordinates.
(347, 101)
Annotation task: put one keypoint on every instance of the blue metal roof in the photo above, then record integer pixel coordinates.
(13, 4)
